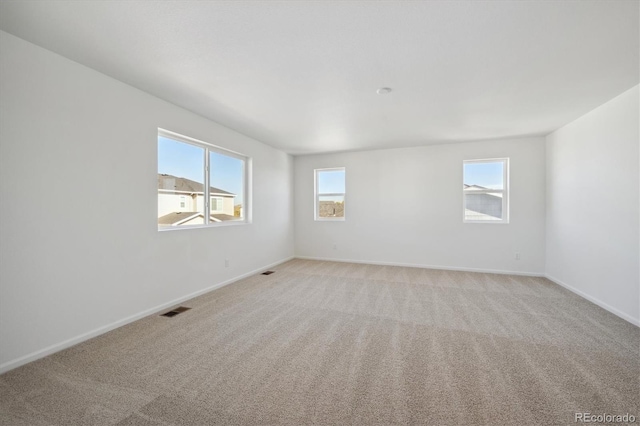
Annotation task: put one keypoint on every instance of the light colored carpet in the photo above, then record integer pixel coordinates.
(336, 343)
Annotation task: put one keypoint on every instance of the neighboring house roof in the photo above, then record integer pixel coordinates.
(474, 187)
(172, 183)
(176, 218)
(223, 217)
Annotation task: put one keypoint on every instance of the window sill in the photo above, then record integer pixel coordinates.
(211, 225)
(488, 222)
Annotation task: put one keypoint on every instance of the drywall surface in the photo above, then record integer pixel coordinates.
(592, 206)
(80, 251)
(404, 206)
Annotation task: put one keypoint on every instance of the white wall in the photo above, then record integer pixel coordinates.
(427, 229)
(73, 141)
(592, 206)
(79, 249)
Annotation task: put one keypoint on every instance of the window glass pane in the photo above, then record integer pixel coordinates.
(180, 183)
(331, 206)
(331, 181)
(479, 176)
(226, 178)
(483, 206)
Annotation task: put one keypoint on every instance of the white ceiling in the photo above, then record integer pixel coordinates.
(302, 76)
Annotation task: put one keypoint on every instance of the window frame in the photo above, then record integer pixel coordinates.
(504, 191)
(208, 148)
(318, 194)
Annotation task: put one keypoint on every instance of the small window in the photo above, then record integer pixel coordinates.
(330, 194)
(195, 177)
(485, 191)
(217, 204)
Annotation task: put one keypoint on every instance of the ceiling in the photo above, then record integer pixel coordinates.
(302, 76)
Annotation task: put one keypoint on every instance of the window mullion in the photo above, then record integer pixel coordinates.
(207, 186)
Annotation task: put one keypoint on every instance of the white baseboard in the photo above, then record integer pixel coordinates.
(592, 299)
(596, 301)
(10, 365)
(416, 265)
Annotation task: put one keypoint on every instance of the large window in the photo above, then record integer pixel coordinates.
(329, 194)
(195, 177)
(485, 190)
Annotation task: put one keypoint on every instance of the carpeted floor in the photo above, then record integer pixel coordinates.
(335, 344)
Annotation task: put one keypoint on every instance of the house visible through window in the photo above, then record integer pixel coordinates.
(485, 190)
(195, 177)
(330, 194)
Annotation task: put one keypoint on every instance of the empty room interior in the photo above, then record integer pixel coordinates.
(319, 212)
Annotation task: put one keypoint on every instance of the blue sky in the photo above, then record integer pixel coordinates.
(331, 181)
(185, 160)
(488, 175)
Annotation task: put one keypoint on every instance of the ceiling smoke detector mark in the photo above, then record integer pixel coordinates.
(383, 90)
(176, 311)
(268, 272)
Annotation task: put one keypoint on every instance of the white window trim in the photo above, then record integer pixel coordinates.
(246, 173)
(504, 192)
(317, 195)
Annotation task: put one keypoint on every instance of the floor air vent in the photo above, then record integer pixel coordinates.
(268, 272)
(174, 312)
